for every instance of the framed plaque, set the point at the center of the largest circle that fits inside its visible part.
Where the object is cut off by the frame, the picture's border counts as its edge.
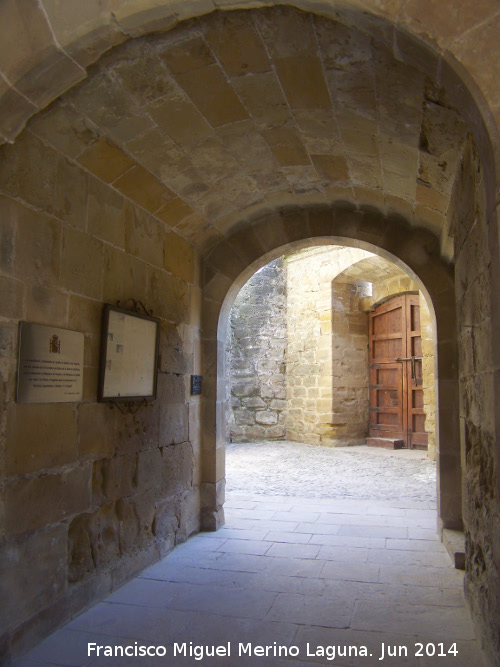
(50, 365)
(129, 355)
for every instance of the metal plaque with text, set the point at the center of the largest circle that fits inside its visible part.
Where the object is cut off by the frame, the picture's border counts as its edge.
(50, 364)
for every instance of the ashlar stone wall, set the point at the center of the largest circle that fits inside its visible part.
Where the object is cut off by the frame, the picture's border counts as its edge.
(88, 495)
(256, 348)
(326, 359)
(478, 412)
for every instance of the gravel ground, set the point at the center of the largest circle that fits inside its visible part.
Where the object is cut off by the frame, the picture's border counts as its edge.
(295, 469)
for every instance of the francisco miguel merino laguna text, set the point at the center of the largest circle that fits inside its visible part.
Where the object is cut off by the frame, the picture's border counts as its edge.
(330, 652)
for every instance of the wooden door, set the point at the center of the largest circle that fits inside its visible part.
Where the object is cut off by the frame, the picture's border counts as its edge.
(397, 417)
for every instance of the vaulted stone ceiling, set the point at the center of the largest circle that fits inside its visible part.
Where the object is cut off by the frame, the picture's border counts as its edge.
(241, 112)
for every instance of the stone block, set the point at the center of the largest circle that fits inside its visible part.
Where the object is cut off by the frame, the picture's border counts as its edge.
(15, 110)
(243, 417)
(108, 212)
(80, 560)
(96, 430)
(214, 97)
(174, 212)
(286, 33)
(168, 296)
(149, 470)
(40, 436)
(38, 246)
(177, 469)
(172, 361)
(166, 521)
(34, 502)
(7, 234)
(45, 305)
(179, 257)
(93, 542)
(143, 188)
(12, 292)
(105, 160)
(64, 128)
(180, 119)
(138, 432)
(84, 314)
(245, 388)
(107, 104)
(174, 421)
(266, 417)
(81, 265)
(286, 146)
(144, 237)
(29, 589)
(114, 478)
(28, 170)
(124, 277)
(253, 402)
(264, 99)
(135, 516)
(244, 53)
(70, 196)
(171, 388)
(189, 512)
(303, 82)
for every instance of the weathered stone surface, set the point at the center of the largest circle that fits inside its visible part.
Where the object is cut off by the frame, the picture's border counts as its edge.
(177, 469)
(96, 431)
(143, 188)
(70, 198)
(144, 237)
(46, 306)
(105, 160)
(180, 119)
(214, 97)
(124, 276)
(114, 478)
(179, 257)
(37, 247)
(107, 213)
(65, 129)
(189, 512)
(174, 423)
(149, 470)
(81, 264)
(135, 516)
(138, 432)
(40, 437)
(167, 296)
(40, 585)
(12, 291)
(28, 170)
(33, 502)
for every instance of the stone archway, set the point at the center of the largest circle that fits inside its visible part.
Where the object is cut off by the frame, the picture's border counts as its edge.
(257, 243)
(452, 49)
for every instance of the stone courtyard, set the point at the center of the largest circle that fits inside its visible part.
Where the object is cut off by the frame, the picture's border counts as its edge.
(358, 473)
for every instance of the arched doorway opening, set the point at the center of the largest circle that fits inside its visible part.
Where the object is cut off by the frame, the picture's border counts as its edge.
(417, 251)
(298, 384)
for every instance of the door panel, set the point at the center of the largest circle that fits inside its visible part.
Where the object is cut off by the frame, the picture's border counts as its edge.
(396, 394)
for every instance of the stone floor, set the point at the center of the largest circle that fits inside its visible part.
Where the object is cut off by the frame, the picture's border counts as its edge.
(313, 575)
